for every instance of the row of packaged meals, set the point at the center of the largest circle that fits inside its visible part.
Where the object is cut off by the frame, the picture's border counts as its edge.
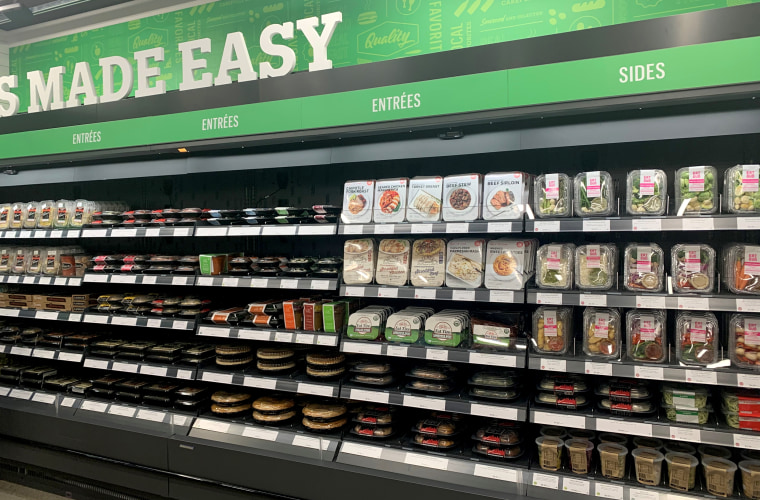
(500, 264)
(51, 214)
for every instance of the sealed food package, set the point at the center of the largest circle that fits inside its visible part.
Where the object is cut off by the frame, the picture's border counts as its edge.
(697, 338)
(550, 452)
(719, 476)
(647, 192)
(6, 214)
(648, 465)
(47, 214)
(646, 336)
(684, 396)
(359, 261)
(553, 195)
(696, 190)
(509, 263)
(32, 215)
(554, 266)
(580, 454)
(425, 194)
(744, 337)
(18, 215)
(393, 261)
(36, 260)
(740, 189)
(594, 194)
(595, 266)
(750, 470)
(742, 269)
(368, 323)
(643, 267)
(405, 326)
(492, 335)
(505, 195)
(428, 262)
(602, 332)
(552, 329)
(448, 328)
(7, 255)
(390, 200)
(693, 268)
(64, 212)
(357, 202)
(682, 471)
(612, 458)
(461, 197)
(464, 263)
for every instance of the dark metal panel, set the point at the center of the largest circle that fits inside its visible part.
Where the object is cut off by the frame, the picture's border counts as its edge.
(188, 489)
(130, 171)
(33, 177)
(319, 156)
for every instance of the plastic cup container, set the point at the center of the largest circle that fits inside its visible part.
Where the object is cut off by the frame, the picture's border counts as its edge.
(750, 478)
(719, 476)
(580, 452)
(646, 442)
(648, 464)
(613, 438)
(709, 450)
(678, 447)
(682, 471)
(581, 434)
(612, 457)
(550, 452)
(551, 431)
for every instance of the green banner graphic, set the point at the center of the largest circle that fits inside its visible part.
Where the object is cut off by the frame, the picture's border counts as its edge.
(729, 62)
(372, 30)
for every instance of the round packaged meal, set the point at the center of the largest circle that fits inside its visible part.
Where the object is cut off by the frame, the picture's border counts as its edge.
(647, 192)
(644, 269)
(553, 195)
(697, 338)
(693, 268)
(595, 266)
(646, 336)
(554, 266)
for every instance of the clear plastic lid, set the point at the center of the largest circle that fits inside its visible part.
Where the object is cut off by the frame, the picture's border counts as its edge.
(552, 330)
(554, 266)
(32, 215)
(744, 341)
(19, 260)
(83, 210)
(742, 269)
(553, 195)
(47, 214)
(594, 194)
(646, 336)
(648, 442)
(602, 335)
(693, 268)
(6, 215)
(697, 190)
(595, 266)
(740, 189)
(35, 260)
(18, 215)
(64, 211)
(647, 192)
(7, 254)
(697, 338)
(644, 267)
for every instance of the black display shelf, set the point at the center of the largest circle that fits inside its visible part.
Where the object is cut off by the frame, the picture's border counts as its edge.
(138, 321)
(457, 294)
(295, 383)
(267, 230)
(10, 312)
(41, 280)
(642, 224)
(42, 353)
(140, 279)
(423, 228)
(26, 234)
(143, 368)
(138, 232)
(282, 283)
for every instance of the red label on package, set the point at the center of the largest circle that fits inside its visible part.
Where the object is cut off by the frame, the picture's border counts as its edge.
(751, 331)
(496, 452)
(752, 260)
(593, 184)
(593, 257)
(552, 186)
(568, 402)
(696, 179)
(601, 325)
(369, 420)
(554, 257)
(692, 261)
(647, 328)
(550, 323)
(698, 330)
(750, 178)
(621, 406)
(643, 259)
(646, 183)
(753, 424)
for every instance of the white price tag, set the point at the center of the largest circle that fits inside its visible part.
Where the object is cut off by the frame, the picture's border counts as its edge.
(231, 282)
(307, 442)
(694, 303)
(221, 378)
(498, 473)
(748, 305)
(553, 365)
(10, 313)
(213, 331)
(43, 353)
(425, 403)
(624, 427)
(328, 340)
(259, 433)
(637, 494)
(647, 224)
(504, 296)
(702, 377)
(546, 481)
(124, 321)
(361, 450)
(580, 486)
(94, 233)
(748, 381)
(70, 356)
(596, 226)
(96, 318)
(149, 280)
(549, 298)
(181, 325)
(422, 228)
(253, 334)
(206, 281)
(24, 234)
(153, 416)
(13, 279)
(182, 231)
(212, 425)
(427, 461)
(371, 396)
(598, 368)
(318, 229)
(463, 295)
(499, 227)
(286, 337)
(61, 282)
(124, 367)
(320, 284)
(650, 302)
(158, 371)
(28, 280)
(154, 323)
(98, 364)
(385, 228)
(388, 293)
(260, 383)
(122, 411)
(211, 231)
(96, 278)
(316, 390)
(493, 411)
(560, 419)
(748, 222)
(253, 231)
(437, 354)
(685, 435)
(45, 280)
(698, 224)
(425, 293)
(612, 491)
(68, 402)
(124, 233)
(354, 291)
(94, 406)
(47, 399)
(550, 226)
(590, 299)
(259, 283)
(21, 351)
(185, 374)
(352, 229)
(746, 441)
(182, 281)
(397, 351)
(123, 278)
(459, 227)
(648, 372)
(479, 358)
(304, 338)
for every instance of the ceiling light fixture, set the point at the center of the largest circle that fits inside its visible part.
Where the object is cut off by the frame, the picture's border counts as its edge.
(53, 5)
(182, 150)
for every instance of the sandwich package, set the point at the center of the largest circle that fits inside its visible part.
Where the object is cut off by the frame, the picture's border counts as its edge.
(461, 197)
(553, 196)
(425, 194)
(506, 195)
(357, 202)
(509, 263)
(390, 200)
(464, 263)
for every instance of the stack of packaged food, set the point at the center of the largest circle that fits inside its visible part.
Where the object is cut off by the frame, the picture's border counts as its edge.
(499, 440)
(374, 421)
(568, 391)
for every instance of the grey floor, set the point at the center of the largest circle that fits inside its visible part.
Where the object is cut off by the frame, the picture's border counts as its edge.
(11, 491)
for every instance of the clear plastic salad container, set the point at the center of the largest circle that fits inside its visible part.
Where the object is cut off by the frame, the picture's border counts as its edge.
(643, 267)
(742, 269)
(687, 415)
(697, 338)
(553, 195)
(647, 192)
(744, 340)
(594, 194)
(740, 189)
(554, 266)
(646, 335)
(697, 187)
(744, 402)
(602, 335)
(552, 329)
(693, 268)
(595, 266)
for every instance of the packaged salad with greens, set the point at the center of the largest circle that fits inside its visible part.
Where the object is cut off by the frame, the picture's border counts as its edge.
(553, 195)
(741, 271)
(647, 192)
(594, 194)
(697, 187)
(696, 338)
(693, 268)
(643, 267)
(554, 266)
(646, 335)
(740, 189)
(595, 266)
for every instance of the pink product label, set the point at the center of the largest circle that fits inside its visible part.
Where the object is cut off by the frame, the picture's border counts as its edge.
(550, 324)
(593, 185)
(692, 262)
(601, 325)
(554, 258)
(698, 331)
(647, 328)
(643, 260)
(752, 260)
(646, 183)
(696, 179)
(751, 331)
(593, 257)
(750, 178)
(552, 186)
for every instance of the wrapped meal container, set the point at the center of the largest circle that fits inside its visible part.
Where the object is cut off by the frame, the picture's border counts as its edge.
(393, 261)
(697, 338)
(644, 267)
(358, 197)
(646, 336)
(505, 195)
(740, 189)
(594, 194)
(553, 195)
(425, 194)
(647, 192)
(461, 197)
(390, 200)
(696, 190)
(428, 262)
(554, 266)
(359, 261)
(744, 338)
(742, 269)
(602, 335)
(509, 263)
(595, 266)
(552, 330)
(464, 263)
(693, 268)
